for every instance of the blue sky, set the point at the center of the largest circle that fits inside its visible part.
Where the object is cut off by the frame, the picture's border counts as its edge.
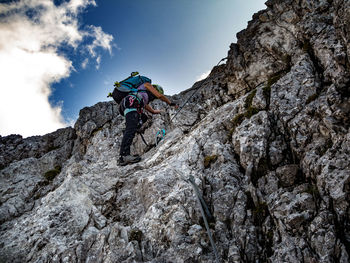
(98, 42)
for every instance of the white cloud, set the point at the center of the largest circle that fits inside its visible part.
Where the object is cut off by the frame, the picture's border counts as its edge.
(101, 39)
(31, 32)
(85, 62)
(98, 60)
(203, 76)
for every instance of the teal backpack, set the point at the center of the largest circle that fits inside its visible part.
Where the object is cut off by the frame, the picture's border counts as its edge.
(128, 86)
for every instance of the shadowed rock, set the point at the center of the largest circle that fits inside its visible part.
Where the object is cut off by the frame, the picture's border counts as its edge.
(266, 137)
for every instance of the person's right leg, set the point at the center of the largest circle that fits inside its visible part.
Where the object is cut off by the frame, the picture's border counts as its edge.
(132, 120)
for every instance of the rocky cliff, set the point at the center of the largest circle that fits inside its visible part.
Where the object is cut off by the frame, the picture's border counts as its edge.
(266, 137)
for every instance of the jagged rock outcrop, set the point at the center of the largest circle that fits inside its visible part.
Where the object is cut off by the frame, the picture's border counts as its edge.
(30, 163)
(266, 137)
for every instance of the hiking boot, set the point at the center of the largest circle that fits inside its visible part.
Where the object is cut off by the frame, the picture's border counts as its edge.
(124, 160)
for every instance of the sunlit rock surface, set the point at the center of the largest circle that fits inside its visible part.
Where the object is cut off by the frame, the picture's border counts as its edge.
(266, 137)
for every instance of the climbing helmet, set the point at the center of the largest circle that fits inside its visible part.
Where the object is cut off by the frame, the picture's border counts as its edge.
(158, 88)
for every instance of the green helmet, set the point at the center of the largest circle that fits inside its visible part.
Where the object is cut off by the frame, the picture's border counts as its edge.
(158, 88)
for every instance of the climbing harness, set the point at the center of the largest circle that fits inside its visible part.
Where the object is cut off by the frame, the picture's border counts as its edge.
(204, 210)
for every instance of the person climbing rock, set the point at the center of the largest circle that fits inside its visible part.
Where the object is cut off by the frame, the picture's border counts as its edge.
(134, 95)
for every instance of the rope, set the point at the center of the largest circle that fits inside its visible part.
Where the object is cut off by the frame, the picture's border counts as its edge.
(204, 210)
(200, 88)
(200, 197)
(185, 103)
(209, 234)
(196, 91)
(221, 60)
(143, 139)
(158, 139)
(194, 94)
(163, 130)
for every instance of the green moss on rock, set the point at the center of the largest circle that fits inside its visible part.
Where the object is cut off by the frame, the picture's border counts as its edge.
(249, 99)
(273, 79)
(237, 120)
(96, 131)
(208, 160)
(51, 174)
(250, 112)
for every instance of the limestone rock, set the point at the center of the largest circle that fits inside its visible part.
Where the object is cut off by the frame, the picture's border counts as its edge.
(266, 138)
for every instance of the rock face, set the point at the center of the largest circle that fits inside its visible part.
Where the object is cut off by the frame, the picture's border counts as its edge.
(266, 137)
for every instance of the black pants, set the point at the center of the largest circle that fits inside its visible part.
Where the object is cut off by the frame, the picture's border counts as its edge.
(132, 125)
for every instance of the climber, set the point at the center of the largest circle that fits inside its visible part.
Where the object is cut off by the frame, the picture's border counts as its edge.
(131, 106)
